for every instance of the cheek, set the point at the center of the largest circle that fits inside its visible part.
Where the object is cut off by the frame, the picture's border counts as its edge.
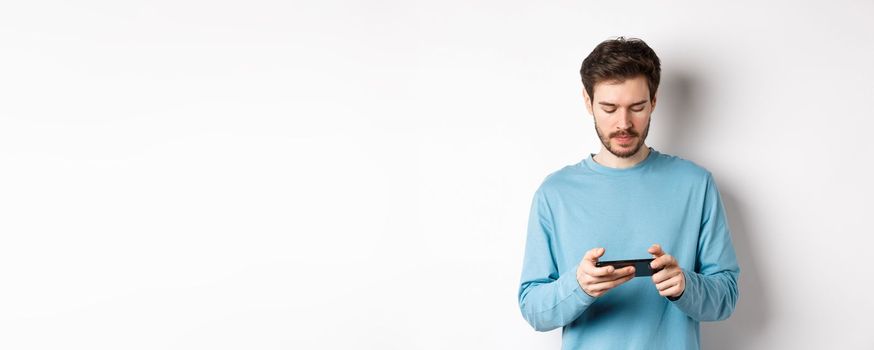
(643, 123)
(603, 121)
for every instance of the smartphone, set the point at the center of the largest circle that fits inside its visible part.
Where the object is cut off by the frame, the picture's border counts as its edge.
(641, 266)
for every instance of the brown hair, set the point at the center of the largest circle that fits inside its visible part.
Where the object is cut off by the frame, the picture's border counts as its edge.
(619, 59)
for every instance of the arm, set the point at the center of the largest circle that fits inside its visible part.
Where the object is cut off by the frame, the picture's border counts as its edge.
(548, 298)
(711, 290)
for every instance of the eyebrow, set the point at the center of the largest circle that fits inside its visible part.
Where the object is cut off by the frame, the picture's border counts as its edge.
(614, 105)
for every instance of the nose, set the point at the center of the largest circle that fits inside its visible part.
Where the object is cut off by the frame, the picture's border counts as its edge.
(624, 120)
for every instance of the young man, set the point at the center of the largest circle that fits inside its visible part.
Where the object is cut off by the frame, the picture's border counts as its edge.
(629, 201)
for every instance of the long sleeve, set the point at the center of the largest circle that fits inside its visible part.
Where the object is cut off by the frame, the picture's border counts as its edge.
(548, 298)
(711, 290)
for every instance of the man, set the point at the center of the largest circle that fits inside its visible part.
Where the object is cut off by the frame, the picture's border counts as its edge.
(629, 201)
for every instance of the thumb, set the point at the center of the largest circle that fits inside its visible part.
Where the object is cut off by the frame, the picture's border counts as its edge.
(593, 254)
(656, 250)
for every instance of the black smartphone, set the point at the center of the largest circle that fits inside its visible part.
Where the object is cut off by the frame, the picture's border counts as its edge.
(641, 266)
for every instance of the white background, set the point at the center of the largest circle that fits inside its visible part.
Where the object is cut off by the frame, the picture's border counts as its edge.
(341, 174)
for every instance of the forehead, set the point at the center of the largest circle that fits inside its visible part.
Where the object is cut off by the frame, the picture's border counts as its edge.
(625, 92)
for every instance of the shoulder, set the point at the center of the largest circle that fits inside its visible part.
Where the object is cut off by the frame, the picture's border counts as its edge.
(558, 181)
(682, 168)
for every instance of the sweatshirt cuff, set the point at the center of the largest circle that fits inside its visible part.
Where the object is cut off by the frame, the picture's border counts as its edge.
(570, 286)
(686, 299)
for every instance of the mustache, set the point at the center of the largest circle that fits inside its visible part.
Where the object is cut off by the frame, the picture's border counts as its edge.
(623, 133)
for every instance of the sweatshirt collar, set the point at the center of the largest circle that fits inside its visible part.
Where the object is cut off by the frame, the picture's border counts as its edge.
(591, 164)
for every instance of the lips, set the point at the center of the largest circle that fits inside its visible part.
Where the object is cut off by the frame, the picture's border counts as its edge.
(624, 138)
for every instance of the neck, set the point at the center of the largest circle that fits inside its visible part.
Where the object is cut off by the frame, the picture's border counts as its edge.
(605, 158)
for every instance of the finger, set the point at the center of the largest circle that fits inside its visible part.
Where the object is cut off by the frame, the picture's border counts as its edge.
(601, 271)
(662, 262)
(668, 283)
(665, 274)
(605, 286)
(618, 274)
(591, 259)
(656, 250)
(673, 290)
(660, 276)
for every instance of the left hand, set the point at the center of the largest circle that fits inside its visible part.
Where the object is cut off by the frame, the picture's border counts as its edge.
(670, 281)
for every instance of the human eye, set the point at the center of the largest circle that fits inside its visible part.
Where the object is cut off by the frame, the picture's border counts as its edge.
(611, 111)
(638, 110)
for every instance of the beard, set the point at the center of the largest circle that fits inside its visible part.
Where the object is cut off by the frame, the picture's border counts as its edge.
(607, 141)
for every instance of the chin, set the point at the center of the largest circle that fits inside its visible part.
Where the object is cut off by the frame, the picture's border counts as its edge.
(625, 152)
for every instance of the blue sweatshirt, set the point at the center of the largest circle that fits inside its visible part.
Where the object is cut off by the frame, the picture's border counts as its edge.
(663, 199)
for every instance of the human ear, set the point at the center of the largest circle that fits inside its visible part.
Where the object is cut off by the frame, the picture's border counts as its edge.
(588, 102)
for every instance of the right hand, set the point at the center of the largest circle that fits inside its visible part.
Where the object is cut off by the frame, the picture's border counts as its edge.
(596, 281)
